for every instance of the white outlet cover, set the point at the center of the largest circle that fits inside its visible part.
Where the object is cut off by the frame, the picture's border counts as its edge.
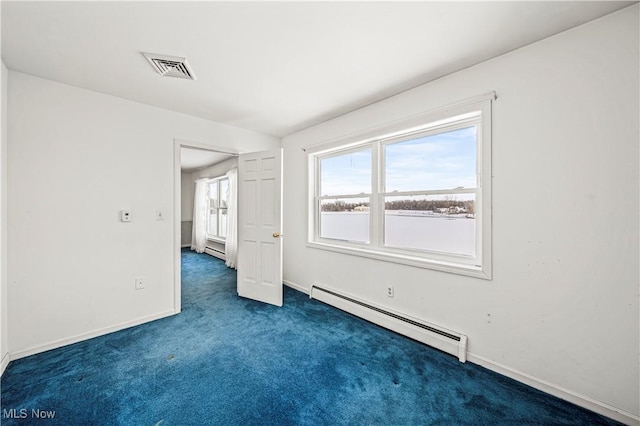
(140, 283)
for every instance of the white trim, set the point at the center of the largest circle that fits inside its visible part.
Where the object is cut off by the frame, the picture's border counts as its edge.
(206, 147)
(404, 259)
(4, 363)
(177, 228)
(295, 286)
(216, 240)
(403, 124)
(557, 391)
(90, 335)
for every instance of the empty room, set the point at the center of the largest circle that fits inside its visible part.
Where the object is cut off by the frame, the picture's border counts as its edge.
(320, 213)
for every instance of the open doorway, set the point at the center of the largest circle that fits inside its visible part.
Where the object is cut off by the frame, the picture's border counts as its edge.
(193, 161)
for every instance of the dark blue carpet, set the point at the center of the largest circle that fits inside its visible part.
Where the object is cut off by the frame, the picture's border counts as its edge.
(231, 361)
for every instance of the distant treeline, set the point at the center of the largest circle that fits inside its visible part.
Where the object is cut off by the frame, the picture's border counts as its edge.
(421, 205)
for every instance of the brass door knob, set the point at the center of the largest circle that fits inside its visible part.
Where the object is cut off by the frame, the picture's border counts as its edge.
(276, 234)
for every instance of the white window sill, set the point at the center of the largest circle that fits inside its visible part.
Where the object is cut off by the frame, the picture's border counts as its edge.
(216, 240)
(404, 259)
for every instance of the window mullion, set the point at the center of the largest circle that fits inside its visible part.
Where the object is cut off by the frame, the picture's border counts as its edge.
(217, 208)
(337, 197)
(376, 210)
(317, 164)
(432, 192)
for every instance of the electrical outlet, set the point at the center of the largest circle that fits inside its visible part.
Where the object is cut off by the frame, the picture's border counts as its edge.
(126, 216)
(390, 290)
(140, 282)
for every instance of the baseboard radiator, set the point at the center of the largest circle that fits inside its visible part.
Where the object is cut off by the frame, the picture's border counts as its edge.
(438, 337)
(215, 252)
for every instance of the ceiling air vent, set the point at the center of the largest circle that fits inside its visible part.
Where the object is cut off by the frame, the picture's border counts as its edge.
(170, 66)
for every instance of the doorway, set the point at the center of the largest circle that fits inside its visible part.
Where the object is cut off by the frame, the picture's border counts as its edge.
(194, 160)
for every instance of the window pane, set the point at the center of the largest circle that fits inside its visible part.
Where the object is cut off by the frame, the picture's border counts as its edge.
(442, 223)
(224, 192)
(346, 219)
(346, 174)
(213, 223)
(443, 161)
(223, 223)
(213, 195)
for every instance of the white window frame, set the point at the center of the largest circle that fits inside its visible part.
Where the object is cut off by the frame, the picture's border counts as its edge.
(476, 111)
(212, 237)
(320, 198)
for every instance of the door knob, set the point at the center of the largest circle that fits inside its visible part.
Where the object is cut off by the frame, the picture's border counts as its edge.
(276, 235)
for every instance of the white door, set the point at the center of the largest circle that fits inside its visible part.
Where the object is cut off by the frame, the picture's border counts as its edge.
(259, 226)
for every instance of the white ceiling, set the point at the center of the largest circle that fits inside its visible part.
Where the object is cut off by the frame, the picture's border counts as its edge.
(272, 67)
(192, 159)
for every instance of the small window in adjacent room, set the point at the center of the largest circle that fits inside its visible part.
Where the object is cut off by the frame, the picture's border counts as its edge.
(217, 217)
(413, 193)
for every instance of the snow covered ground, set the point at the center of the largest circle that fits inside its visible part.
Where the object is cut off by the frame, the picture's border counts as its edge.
(435, 232)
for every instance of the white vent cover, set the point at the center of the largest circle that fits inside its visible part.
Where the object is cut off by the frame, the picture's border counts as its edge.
(170, 66)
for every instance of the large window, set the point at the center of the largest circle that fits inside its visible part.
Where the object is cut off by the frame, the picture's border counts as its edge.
(412, 195)
(217, 217)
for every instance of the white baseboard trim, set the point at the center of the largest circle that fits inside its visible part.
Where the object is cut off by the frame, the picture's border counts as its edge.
(86, 336)
(4, 362)
(557, 391)
(296, 286)
(185, 246)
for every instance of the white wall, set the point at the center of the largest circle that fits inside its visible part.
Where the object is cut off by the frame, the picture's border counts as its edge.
(186, 207)
(186, 193)
(562, 309)
(75, 159)
(4, 311)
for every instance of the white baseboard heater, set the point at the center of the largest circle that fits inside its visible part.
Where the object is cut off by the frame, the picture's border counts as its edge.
(438, 337)
(215, 252)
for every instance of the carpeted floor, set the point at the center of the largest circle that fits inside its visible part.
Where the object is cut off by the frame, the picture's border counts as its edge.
(231, 361)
